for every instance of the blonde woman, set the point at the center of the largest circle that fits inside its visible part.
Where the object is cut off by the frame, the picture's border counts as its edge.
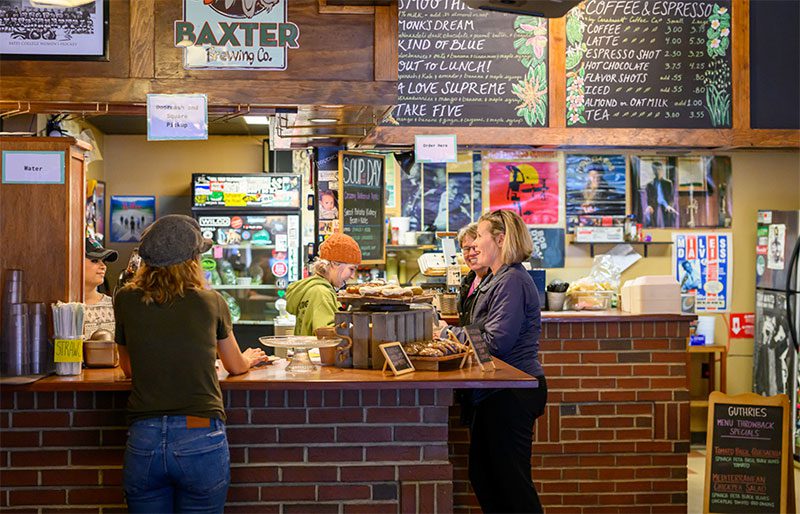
(313, 299)
(477, 273)
(169, 329)
(508, 314)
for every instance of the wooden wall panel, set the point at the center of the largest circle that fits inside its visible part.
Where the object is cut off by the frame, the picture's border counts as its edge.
(386, 43)
(142, 50)
(332, 47)
(118, 64)
(557, 80)
(740, 63)
(41, 226)
(723, 139)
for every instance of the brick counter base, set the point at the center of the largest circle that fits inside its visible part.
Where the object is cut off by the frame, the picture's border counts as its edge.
(615, 434)
(291, 451)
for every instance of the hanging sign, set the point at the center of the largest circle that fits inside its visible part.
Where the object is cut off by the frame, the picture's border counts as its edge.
(24, 167)
(236, 34)
(435, 148)
(181, 117)
(702, 263)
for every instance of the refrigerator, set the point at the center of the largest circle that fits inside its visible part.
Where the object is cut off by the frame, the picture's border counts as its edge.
(254, 221)
(775, 366)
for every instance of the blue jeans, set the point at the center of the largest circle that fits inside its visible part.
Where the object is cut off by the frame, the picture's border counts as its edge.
(171, 468)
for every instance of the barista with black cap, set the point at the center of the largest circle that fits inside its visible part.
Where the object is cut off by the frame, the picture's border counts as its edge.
(98, 311)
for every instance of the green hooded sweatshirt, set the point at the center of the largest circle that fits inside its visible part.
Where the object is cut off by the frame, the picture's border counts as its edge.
(313, 301)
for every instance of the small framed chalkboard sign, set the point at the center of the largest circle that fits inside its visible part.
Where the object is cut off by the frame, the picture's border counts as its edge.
(482, 355)
(748, 455)
(396, 358)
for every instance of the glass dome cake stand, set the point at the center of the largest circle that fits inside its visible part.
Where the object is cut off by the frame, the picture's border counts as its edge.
(300, 362)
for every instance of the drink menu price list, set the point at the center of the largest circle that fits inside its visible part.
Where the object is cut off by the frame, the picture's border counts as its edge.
(649, 63)
(466, 67)
(746, 458)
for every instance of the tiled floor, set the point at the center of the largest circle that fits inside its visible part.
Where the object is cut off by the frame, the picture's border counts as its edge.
(697, 467)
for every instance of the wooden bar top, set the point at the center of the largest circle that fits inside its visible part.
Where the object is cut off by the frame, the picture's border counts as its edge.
(608, 316)
(274, 377)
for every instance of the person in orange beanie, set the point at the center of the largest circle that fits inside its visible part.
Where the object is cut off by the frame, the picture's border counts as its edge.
(313, 299)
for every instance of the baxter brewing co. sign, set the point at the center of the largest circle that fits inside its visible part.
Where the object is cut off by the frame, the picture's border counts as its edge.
(235, 34)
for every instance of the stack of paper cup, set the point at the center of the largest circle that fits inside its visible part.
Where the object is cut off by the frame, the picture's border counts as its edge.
(705, 327)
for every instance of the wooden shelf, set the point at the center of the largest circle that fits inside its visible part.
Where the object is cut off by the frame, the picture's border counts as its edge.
(708, 348)
(646, 244)
(698, 404)
(412, 248)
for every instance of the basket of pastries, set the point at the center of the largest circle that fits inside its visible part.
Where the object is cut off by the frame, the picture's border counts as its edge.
(379, 292)
(438, 354)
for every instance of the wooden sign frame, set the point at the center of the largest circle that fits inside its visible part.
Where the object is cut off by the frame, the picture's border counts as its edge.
(484, 365)
(342, 201)
(389, 362)
(787, 502)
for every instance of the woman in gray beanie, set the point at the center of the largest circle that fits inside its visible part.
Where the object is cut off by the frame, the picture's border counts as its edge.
(169, 329)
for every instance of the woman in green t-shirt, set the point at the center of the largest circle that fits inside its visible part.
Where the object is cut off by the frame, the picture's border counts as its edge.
(169, 329)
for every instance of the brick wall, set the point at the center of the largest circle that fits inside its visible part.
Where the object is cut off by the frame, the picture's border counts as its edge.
(615, 434)
(295, 451)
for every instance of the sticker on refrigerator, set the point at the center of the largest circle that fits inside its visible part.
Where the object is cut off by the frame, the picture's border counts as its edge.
(776, 246)
(281, 242)
(765, 217)
(702, 263)
(279, 269)
(761, 265)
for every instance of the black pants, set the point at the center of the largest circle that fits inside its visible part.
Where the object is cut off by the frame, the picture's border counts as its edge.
(500, 450)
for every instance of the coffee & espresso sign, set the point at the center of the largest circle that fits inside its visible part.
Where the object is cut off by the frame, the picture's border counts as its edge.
(235, 34)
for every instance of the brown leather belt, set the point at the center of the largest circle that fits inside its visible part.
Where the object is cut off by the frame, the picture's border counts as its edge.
(197, 422)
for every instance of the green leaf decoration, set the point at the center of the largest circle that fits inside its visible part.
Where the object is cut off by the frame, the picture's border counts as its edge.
(574, 29)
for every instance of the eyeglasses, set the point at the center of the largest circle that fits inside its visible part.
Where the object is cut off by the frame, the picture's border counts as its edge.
(468, 249)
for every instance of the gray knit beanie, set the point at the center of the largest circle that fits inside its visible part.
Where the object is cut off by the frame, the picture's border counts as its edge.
(171, 240)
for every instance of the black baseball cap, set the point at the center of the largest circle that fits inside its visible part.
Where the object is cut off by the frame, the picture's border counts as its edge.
(95, 250)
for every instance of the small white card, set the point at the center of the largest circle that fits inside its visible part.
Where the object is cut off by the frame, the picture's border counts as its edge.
(32, 167)
(435, 148)
(177, 117)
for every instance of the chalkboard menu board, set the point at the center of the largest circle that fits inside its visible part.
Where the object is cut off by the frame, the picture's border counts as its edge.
(649, 63)
(479, 345)
(747, 459)
(465, 67)
(361, 187)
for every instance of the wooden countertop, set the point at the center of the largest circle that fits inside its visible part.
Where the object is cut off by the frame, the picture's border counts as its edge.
(612, 315)
(275, 377)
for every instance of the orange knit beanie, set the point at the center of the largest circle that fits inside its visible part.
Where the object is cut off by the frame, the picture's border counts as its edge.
(340, 248)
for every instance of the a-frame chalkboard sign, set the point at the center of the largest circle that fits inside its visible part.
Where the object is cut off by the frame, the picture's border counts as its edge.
(748, 455)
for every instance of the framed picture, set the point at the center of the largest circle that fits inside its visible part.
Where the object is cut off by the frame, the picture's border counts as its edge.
(41, 30)
(129, 216)
(692, 174)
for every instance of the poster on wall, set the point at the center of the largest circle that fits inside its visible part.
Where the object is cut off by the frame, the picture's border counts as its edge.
(688, 192)
(702, 263)
(236, 34)
(548, 247)
(40, 30)
(595, 186)
(326, 160)
(528, 185)
(442, 196)
(129, 216)
(95, 209)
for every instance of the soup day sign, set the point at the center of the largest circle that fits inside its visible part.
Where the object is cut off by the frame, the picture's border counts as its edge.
(236, 34)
